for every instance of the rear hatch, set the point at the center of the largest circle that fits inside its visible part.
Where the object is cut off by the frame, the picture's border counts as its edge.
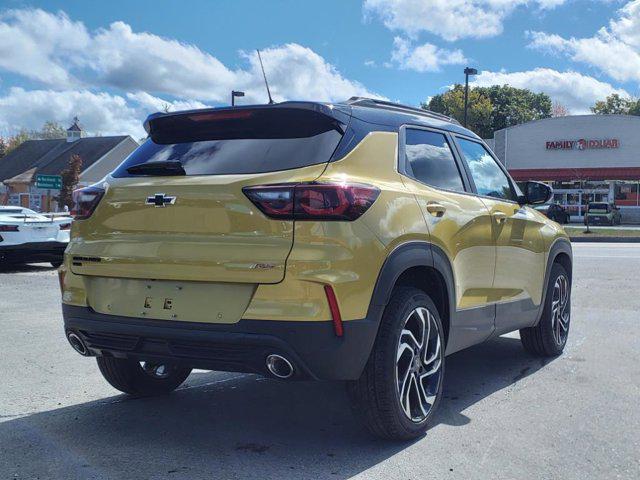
(32, 228)
(175, 209)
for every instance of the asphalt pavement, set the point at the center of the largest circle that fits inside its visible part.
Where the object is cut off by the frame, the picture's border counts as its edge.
(505, 415)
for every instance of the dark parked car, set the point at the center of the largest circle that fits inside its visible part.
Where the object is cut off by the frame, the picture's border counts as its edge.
(555, 212)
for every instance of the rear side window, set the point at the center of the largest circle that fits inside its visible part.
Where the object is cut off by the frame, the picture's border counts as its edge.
(489, 178)
(429, 160)
(239, 142)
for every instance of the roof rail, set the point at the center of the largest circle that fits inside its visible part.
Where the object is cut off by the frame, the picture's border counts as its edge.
(374, 103)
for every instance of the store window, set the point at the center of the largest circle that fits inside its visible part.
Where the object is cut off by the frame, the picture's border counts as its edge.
(626, 194)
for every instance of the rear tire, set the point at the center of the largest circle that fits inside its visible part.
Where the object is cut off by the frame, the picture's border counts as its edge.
(549, 336)
(401, 386)
(148, 379)
(56, 264)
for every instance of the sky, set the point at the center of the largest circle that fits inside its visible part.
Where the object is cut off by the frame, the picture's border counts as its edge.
(112, 63)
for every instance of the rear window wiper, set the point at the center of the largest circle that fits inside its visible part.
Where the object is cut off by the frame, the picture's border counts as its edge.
(169, 168)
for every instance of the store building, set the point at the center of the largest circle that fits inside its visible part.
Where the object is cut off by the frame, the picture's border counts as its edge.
(586, 158)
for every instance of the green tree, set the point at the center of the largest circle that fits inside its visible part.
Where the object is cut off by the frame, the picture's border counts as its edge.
(70, 178)
(614, 104)
(451, 103)
(50, 130)
(16, 140)
(3, 147)
(497, 107)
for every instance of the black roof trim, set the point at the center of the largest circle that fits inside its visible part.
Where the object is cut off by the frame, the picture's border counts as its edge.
(374, 103)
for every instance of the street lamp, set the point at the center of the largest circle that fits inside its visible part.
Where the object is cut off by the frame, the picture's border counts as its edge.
(467, 71)
(234, 94)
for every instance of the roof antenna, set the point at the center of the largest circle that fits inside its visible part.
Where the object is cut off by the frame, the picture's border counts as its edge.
(265, 78)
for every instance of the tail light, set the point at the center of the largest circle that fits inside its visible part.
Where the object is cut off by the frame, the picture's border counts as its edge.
(313, 201)
(85, 201)
(65, 226)
(8, 228)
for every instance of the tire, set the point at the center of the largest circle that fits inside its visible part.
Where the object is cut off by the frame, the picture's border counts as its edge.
(549, 337)
(130, 377)
(56, 264)
(375, 396)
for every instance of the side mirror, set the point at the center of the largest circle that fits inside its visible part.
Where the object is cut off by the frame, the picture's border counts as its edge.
(535, 193)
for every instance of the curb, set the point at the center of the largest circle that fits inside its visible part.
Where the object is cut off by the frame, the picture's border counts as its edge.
(596, 239)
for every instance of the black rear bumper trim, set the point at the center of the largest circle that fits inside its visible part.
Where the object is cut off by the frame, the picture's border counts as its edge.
(312, 347)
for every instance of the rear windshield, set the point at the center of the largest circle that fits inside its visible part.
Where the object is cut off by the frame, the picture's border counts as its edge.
(599, 206)
(265, 142)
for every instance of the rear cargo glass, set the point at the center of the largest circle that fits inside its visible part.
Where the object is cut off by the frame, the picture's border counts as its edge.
(254, 141)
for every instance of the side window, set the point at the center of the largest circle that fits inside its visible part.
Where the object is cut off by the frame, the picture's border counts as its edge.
(489, 178)
(430, 160)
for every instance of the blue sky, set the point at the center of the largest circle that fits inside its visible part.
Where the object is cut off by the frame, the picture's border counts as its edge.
(113, 62)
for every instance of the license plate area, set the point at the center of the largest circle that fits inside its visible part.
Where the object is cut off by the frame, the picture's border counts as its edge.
(169, 300)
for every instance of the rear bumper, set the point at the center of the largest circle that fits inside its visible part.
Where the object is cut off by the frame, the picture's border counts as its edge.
(312, 347)
(33, 252)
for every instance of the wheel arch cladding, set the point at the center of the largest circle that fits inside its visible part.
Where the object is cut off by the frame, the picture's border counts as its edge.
(421, 265)
(559, 252)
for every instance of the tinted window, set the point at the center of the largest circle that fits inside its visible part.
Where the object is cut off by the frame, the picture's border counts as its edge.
(429, 160)
(489, 178)
(218, 157)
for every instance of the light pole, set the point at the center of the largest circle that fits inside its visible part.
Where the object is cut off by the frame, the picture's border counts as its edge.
(467, 71)
(234, 94)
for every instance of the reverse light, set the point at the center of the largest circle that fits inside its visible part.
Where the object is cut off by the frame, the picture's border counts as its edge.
(313, 201)
(85, 201)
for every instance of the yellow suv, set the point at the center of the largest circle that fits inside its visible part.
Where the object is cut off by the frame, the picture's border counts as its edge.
(360, 241)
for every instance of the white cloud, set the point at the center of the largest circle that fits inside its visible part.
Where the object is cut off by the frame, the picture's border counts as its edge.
(449, 19)
(614, 50)
(424, 58)
(69, 60)
(575, 91)
(102, 112)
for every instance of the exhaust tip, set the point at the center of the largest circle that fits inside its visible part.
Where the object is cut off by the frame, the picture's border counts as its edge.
(279, 366)
(77, 344)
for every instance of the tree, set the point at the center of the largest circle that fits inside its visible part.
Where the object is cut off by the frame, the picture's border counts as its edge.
(16, 140)
(3, 147)
(451, 103)
(70, 178)
(50, 130)
(498, 107)
(614, 104)
(559, 110)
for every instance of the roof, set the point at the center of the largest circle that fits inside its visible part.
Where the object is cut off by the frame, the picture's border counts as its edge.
(52, 156)
(591, 116)
(379, 112)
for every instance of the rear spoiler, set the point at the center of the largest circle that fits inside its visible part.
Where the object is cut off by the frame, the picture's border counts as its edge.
(282, 120)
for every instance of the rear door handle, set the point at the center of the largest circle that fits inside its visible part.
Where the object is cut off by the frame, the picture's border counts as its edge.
(436, 209)
(500, 217)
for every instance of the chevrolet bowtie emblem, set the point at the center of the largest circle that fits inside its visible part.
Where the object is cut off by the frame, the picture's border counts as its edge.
(160, 200)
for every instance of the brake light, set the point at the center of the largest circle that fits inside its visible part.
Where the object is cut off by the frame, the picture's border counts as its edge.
(65, 226)
(8, 228)
(85, 201)
(313, 201)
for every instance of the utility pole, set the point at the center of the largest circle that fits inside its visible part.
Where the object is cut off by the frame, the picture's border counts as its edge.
(467, 71)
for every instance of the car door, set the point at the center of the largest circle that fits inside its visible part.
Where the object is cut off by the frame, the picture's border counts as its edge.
(459, 225)
(520, 251)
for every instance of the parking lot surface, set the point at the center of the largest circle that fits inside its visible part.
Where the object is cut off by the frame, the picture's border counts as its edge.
(505, 415)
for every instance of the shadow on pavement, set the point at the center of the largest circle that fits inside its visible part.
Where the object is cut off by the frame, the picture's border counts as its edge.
(25, 267)
(236, 426)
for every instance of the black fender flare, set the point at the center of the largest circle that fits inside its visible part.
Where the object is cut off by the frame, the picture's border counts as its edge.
(559, 246)
(403, 257)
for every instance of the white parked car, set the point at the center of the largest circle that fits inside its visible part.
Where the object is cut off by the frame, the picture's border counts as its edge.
(27, 236)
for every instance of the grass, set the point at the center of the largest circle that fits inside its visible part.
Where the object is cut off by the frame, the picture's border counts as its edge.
(601, 232)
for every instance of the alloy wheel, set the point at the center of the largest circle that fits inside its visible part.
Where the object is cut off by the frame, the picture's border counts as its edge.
(560, 312)
(156, 370)
(419, 361)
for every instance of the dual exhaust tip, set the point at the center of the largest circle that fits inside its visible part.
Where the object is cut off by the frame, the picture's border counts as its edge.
(276, 364)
